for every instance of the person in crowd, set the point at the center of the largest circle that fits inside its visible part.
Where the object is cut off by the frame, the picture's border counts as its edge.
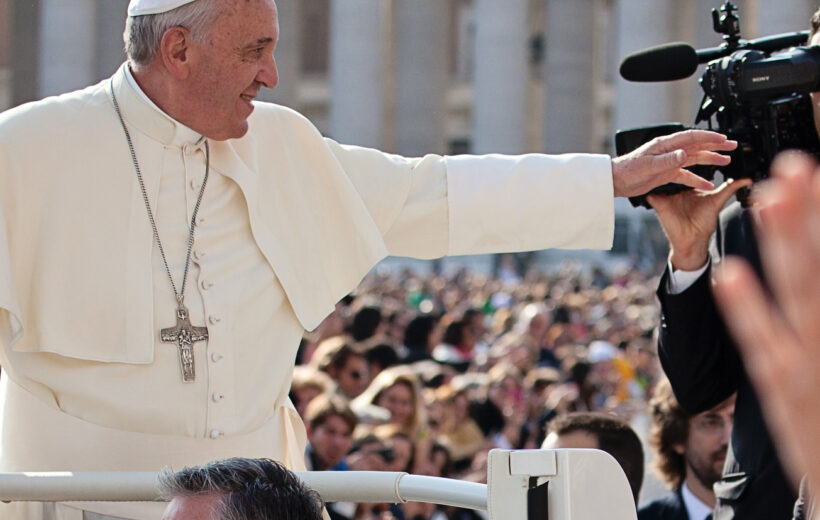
(776, 328)
(379, 357)
(330, 423)
(396, 390)
(454, 428)
(533, 324)
(604, 432)
(420, 338)
(368, 324)
(308, 383)
(204, 184)
(238, 489)
(690, 451)
(457, 347)
(696, 351)
(346, 365)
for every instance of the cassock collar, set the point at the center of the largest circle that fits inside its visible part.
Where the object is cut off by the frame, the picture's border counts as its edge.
(141, 112)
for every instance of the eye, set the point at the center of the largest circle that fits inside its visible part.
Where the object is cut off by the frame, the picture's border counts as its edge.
(254, 54)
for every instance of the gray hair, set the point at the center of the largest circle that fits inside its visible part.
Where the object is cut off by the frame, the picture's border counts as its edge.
(249, 489)
(143, 33)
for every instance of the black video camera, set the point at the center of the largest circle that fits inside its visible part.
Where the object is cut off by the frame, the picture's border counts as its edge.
(754, 92)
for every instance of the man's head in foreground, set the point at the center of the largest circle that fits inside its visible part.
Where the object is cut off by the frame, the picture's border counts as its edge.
(238, 489)
(599, 431)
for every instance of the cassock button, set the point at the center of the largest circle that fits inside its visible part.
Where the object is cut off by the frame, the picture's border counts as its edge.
(215, 357)
(217, 397)
(214, 319)
(205, 284)
(199, 220)
(215, 434)
(195, 184)
(187, 149)
(199, 254)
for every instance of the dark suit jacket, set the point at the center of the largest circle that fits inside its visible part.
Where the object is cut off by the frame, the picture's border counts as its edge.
(667, 507)
(704, 367)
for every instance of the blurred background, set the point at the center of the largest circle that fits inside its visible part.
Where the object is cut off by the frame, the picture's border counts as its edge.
(434, 76)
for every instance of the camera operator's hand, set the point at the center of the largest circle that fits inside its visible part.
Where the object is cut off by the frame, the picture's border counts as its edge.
(778, 332)
(663, 159)
(689, 219)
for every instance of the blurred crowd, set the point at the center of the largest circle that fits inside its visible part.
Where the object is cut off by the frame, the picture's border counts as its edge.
(425, 373)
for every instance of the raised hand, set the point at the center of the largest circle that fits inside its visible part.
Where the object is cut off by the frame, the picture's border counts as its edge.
(778, 332)
(689, 219)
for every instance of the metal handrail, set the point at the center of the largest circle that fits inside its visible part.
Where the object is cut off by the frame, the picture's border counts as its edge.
(333, 486)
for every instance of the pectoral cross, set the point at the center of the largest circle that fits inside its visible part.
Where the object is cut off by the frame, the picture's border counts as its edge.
(185, 335)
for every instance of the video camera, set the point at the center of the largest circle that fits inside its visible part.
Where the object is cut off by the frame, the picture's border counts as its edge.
(754, 92)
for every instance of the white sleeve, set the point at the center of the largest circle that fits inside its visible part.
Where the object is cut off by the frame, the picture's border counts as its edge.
(680, 280)
(435, 206)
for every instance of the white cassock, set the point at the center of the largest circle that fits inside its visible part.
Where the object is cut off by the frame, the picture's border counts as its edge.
(290, 222)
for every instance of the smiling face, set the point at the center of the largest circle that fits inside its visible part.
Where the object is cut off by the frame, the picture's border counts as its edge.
(229, 68)
(398, 399)
(331, 441)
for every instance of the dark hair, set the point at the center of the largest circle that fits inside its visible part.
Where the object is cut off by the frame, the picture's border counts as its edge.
(365, 323)
(383, 355)
(670, 426)
(339, 358)
(325, 406)
(418, 331)
(249, 489)
(614, 436)
(454, 333)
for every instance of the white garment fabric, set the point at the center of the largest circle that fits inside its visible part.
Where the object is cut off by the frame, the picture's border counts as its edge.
(289, 223)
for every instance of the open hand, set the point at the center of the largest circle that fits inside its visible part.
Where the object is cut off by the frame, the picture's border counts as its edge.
(663, 159)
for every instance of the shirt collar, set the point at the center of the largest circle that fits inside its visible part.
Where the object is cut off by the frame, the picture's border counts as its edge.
(696, 509)
(140, 111)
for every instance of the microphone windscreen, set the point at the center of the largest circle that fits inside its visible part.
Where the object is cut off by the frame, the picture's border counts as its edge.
(666, 62)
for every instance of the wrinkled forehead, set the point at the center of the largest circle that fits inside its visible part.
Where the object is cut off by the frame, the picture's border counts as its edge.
(246, 21)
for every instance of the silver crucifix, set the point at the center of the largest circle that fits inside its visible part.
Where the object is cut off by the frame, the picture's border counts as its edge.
(185, 335)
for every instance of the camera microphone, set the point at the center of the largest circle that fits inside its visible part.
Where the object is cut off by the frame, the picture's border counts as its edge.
(667, 62)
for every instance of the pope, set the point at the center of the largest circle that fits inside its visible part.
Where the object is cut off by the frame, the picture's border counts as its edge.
(165, 240)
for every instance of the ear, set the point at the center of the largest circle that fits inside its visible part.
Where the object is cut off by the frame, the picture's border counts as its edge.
(679, 448)
(175, 50)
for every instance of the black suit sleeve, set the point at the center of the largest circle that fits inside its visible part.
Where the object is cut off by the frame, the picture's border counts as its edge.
(694, 347)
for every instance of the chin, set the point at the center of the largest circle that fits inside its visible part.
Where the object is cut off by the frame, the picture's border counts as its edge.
(237, 132)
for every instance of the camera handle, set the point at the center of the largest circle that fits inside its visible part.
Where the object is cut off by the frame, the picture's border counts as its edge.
(727, 23)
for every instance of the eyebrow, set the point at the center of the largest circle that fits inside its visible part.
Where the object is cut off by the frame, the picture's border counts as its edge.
(260, 41)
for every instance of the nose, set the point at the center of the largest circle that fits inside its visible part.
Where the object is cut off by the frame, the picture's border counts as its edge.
(268, 74)
(726, 434)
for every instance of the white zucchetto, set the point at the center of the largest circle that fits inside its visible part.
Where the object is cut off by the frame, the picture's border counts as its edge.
(143, 7)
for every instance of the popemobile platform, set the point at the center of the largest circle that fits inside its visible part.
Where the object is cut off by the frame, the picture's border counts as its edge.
(521, 485)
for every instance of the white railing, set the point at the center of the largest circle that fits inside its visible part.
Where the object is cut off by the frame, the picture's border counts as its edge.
(350, 486)
(525, 484)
